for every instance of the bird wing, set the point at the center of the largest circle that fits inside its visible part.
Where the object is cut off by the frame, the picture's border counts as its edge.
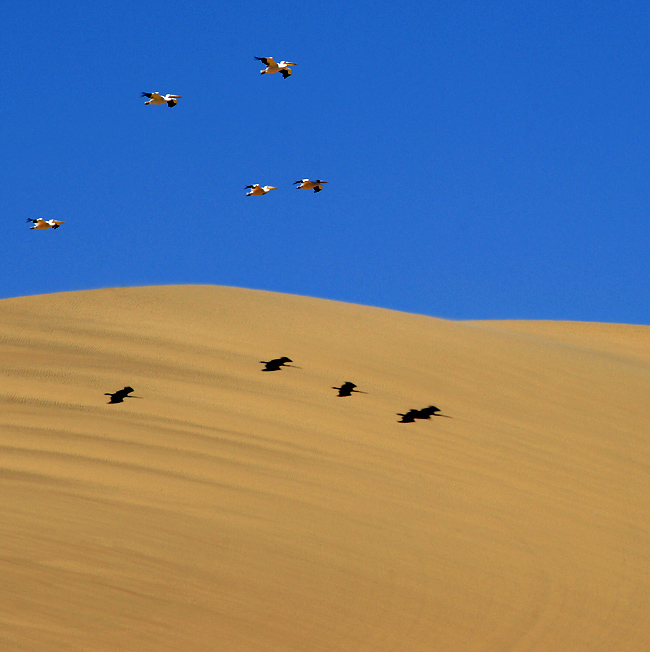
(318, 188)
(155, 96)
(146, 95)
(286, 72)
(267, 61)
(172, 103)
(257, 185)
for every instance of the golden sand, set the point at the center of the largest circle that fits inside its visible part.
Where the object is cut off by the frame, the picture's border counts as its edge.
(234, 510)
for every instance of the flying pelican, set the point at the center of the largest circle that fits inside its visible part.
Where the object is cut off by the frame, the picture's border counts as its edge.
(121, 394)
(157, 98)
(274, 365)
(308, 185)
(272, 67)
(258, 190)
(40, 223)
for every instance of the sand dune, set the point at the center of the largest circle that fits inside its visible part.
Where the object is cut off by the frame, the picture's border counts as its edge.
(230, 509)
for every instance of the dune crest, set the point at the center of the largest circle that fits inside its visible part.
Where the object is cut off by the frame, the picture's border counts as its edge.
(230, 509)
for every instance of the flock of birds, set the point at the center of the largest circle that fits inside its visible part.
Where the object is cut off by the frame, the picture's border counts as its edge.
(346, 389)
(303, 184)
(255, 190)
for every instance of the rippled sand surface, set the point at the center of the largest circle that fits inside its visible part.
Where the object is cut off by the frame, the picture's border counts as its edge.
(230, 509)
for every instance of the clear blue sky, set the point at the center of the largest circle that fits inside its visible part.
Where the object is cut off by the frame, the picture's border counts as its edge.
(485, 159)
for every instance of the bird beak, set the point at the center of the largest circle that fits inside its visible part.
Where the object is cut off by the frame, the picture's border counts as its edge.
(273, 188)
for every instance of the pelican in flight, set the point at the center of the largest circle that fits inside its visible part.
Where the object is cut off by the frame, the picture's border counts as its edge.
(317, 185)
(272, 67)
(258, 190)
(157, 98)
(41, 224)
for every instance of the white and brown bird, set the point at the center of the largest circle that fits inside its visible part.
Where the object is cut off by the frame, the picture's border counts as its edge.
(157, 98)
(306, 184)
(257, 190)
(272, 66)
(41, 224)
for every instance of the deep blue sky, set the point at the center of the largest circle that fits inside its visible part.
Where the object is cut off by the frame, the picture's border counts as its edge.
(485, 159)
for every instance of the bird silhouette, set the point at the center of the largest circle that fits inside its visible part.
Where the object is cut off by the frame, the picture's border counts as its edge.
(424, 413)
(277, 363)
(408, 417)
(120, 395)
(428, 412)
(347, 388)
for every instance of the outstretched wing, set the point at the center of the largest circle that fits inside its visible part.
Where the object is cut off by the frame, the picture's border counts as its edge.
(318, 188)
(286, 72)
(267, 61)
(172, 103)
(146, 95)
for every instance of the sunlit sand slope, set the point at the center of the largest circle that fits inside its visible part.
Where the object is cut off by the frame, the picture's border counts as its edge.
(233, 510)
